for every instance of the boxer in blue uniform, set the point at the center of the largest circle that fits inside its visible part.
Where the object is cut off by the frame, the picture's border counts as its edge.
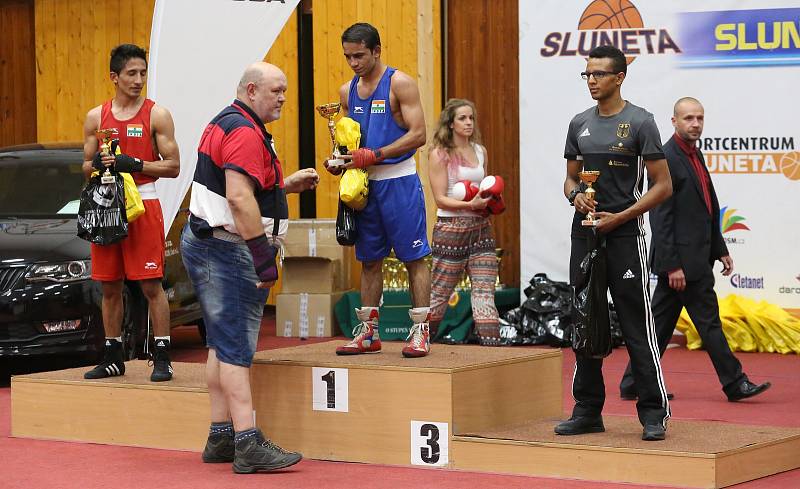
(386, 103)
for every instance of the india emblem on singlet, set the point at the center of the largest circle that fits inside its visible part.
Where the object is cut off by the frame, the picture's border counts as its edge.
(378, 107)
(135, 130)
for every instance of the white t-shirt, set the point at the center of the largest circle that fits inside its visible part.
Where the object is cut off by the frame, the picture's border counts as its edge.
(473, 174)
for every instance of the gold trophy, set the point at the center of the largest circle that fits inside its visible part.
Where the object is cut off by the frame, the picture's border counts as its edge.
(589, 177)
(106, 136)
(329, 111)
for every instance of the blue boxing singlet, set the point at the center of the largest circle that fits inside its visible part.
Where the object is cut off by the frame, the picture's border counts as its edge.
(378, 127)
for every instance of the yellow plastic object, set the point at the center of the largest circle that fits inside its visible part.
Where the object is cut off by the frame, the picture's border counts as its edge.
(348, 133)
(354, 188)
(750, 326)
(134, 207)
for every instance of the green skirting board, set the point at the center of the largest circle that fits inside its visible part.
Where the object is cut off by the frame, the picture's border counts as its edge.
(395, 323)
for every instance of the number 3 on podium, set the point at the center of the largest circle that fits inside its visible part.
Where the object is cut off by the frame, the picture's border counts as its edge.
(429, 443)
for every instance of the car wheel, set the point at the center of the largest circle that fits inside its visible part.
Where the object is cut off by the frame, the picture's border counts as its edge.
(134, 324)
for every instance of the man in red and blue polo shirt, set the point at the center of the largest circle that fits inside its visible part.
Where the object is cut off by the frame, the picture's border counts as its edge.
(238, 217)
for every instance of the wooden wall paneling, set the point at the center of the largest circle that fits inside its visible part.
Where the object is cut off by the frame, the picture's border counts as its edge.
(482, 65)
(17, 73)
(74, 39)
(44, 40)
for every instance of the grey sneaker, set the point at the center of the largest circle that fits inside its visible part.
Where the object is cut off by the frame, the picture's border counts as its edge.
(219, 449)
(256, 453)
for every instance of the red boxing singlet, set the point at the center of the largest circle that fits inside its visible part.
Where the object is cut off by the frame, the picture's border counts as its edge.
(134, 136)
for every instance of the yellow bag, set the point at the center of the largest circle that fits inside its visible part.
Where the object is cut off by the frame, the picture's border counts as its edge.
(134, 207)
(347, 133)
(354, 188)
(354, 185)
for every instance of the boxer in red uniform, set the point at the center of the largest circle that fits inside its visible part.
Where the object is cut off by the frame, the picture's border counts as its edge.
(148, 151)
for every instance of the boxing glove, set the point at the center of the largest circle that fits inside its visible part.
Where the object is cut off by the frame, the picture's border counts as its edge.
(464, 190)
(492, 186)
(496, 205)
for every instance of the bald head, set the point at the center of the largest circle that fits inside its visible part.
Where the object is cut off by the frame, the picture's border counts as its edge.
(686, 103)
(258, 73)
(262, 88)
(688, 119)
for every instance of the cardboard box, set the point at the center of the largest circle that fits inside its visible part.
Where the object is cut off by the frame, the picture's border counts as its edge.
(306, 315)
(313, 237)
(317, 238)
(311, 275)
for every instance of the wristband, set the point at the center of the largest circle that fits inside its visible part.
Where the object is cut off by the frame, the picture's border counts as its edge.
(127, 164)
(574, 193)
(97, 162)
(264, 255)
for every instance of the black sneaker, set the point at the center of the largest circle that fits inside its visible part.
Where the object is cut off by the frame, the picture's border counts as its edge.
(162, 368)
(256, 453)
(579, 425)
(112, 365)
(219, 449)
(654, 432)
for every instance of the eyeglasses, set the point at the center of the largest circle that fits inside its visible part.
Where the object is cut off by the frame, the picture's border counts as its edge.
(598, 75)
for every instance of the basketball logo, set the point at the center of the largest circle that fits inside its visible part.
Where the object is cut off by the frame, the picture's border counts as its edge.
(790, 165)
(611, 14)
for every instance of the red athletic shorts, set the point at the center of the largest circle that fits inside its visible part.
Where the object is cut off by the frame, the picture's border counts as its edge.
(139, 256)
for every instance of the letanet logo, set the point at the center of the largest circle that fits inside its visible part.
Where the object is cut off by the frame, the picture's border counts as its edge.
(752, 155)
(610, 22)
(730, 221)
(744, 282)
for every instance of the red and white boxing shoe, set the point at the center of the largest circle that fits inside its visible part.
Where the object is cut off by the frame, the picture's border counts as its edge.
(366, 338)
(419, 344)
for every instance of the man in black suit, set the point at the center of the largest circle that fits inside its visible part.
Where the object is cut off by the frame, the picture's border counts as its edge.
(686, 242)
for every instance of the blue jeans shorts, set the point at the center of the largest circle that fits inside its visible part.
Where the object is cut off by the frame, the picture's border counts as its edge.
(224, 280)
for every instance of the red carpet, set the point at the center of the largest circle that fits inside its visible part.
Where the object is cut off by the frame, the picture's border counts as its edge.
(41, 464)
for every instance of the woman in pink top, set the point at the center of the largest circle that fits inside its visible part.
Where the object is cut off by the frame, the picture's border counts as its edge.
(462, 236)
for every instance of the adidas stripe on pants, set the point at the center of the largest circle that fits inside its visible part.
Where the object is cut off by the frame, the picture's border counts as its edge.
(628, 281)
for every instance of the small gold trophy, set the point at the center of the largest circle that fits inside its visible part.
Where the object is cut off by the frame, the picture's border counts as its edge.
(106, 136)
(329, 111)
(589, 177)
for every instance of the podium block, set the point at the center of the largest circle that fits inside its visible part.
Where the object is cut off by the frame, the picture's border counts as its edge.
(128, 410)
(698, 454)
(383, 408)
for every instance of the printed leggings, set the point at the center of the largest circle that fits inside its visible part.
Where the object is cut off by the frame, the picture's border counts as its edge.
(461, 243)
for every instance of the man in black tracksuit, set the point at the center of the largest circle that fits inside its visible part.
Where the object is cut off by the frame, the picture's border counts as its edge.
(620, 140)
(686, 242)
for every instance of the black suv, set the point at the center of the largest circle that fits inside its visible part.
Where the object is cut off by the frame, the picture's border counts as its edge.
(48, 302)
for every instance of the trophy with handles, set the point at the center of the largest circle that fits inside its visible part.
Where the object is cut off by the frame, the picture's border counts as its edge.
(589, 177)
(329, 111)
(106, 136)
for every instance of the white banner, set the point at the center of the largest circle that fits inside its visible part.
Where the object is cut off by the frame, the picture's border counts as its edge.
(741, 59)
(198, 51)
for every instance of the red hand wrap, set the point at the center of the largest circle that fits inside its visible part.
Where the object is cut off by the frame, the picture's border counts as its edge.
(364, 157)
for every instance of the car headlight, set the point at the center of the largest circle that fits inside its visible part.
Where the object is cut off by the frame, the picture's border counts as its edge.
(60, 272)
